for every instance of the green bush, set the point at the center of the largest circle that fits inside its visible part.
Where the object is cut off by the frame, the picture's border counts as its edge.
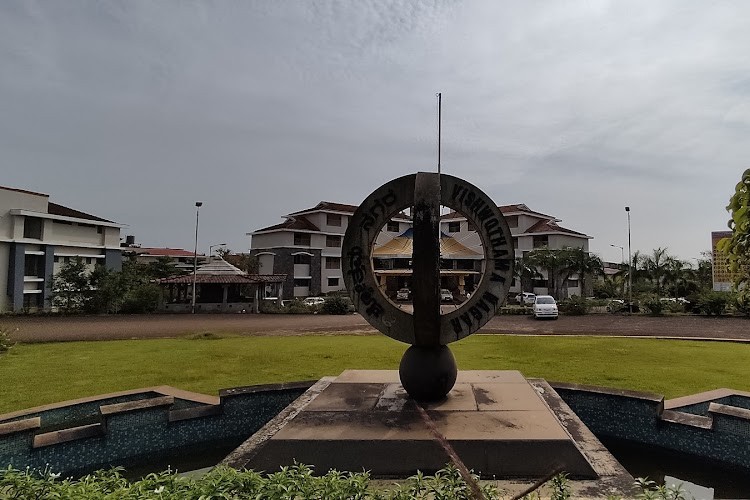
(574, 306)
(712, 302)
(5, 342)
(653, 305)
(336, 304)
(298, 307)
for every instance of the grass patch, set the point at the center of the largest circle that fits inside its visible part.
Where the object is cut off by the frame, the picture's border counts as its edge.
(36, 374)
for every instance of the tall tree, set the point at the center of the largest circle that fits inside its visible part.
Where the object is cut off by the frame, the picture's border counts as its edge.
(737, 247)
(582, 263)
(525, 272)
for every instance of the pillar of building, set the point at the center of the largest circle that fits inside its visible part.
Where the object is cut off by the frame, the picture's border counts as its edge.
(17, 259)
(49, 274)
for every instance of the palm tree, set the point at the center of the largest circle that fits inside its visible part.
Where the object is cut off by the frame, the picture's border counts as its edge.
(658, 267)
(582, 263)
(553, 262)
(525, 272)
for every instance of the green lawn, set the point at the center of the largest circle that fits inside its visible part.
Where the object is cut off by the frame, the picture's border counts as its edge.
(36, 374)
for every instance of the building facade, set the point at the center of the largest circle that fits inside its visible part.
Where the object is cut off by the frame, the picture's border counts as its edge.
(37, 237)
(307, 247)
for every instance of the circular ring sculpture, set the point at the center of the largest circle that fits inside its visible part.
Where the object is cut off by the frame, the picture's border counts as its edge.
(428, 366)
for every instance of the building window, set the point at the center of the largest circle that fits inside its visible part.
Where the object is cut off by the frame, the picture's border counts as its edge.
(302, 282)
(302, 239)
(392, 227)
(57, 259)
(541, 241)
(333, 282)
(32, 228)
(333, 241)
(32, 300)
(333, 263)
(34, 266)
(99, 229)
(454, 227)
(512, 220)
(333, 220)
(302, 258)
(572, 284)
(88, 260)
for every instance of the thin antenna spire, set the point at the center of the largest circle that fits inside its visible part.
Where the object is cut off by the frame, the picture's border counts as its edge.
(440, 109)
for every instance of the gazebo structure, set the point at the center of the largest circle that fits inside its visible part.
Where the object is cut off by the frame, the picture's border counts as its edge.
(220, 287)
(460, 266)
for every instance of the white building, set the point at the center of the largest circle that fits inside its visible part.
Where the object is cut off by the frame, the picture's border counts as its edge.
(530, 230)
(37, 237)
(307, 245)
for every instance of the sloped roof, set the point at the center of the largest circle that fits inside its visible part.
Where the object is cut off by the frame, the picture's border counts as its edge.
(160, 252)
(329, 205)
(55, 209)
(225, 279)
(299, 222)
(549, 226)
(403, 245)
(25, 191)
(505, 209)
(218, 266)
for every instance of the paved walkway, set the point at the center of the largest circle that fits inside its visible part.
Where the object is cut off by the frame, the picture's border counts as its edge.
(51, 329)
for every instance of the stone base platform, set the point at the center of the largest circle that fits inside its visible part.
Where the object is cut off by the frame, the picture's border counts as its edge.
(497, 422)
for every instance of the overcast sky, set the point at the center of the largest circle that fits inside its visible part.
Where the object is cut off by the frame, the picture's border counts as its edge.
(134, 110)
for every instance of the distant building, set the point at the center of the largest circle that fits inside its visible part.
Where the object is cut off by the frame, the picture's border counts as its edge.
(183, 260)
(307, 247)
(721, 275)
(37, 237)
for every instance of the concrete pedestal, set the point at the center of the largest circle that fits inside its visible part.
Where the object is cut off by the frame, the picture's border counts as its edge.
(497, 422)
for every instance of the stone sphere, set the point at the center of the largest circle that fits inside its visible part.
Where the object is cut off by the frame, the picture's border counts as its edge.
(428, 373)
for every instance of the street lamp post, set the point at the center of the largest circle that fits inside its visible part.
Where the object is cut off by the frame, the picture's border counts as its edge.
(210, 249)
(622, 252)
(630, 268)
(198, 205)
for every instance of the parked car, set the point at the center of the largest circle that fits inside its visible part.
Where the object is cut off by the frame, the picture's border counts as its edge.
(545, 307)
(525, 298)
(314, 301)
(446, 295)
(403, 294)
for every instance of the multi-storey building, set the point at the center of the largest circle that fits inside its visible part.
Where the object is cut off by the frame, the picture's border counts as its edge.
(37, 237)
(307, 247)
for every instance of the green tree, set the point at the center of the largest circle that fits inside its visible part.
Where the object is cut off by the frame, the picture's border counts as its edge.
(70, 288)
(525, 272)
(552, 262)
(243, 261)
(737, 247)
(163, 267)
(582, 263)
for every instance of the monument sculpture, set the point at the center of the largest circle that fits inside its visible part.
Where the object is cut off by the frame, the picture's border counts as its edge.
(428, 369)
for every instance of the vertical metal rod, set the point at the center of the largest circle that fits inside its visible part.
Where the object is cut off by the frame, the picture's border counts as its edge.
(195, 254)
(440, 112)
(630, 268)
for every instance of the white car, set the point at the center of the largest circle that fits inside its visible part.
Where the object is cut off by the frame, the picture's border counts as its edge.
(545, 307)
(525, 298)
(446, 295)
(313, 301)
(403, 294)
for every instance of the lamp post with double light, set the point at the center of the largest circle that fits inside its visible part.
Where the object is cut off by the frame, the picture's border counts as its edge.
(198, 205)
(210, 249)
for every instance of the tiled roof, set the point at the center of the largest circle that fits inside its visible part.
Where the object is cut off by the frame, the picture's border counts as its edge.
(223, 279)
(403, 245)
(160, 252)
(548, 226)
(55, 209)
(505, 209)
(329, 205)
(299, 222)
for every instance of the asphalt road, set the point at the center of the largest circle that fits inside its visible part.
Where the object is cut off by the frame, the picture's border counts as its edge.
(51, 328)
